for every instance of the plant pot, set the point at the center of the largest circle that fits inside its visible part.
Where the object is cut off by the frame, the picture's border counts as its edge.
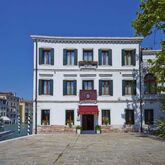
(78, 131)
(98, 131)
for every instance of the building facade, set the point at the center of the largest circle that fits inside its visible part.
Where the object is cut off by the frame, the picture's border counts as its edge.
(25, 110)
(10, 105)
(86, 81)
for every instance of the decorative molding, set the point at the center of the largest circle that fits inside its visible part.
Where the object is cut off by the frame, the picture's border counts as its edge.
(46, 75)
(87, 40)
(70, 75)
(105, 75)
(87, 75)
(127, 75)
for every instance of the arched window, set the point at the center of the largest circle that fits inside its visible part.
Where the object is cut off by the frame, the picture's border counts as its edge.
(149, 84)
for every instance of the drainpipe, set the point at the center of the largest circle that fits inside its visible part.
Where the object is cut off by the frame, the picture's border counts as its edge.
(140, 77)
(36, 69)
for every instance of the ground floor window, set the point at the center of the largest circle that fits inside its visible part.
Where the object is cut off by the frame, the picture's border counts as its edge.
(129, 116)
(69, 117)
(106, 117)
(148, 116)
(45, 117)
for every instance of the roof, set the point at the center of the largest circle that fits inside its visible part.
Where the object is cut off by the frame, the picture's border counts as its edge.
(5, 118)
(149, 51)
(43, 38)
(6, 94)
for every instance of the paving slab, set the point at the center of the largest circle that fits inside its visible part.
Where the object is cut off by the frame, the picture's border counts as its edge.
(72, 149)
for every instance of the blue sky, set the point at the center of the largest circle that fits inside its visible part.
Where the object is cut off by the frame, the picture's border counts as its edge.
(21, 18)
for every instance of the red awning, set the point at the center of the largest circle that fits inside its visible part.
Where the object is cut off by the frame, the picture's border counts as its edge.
(88, 110)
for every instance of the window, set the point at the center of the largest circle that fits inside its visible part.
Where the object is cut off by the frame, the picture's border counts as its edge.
(105, 57)
(70, 57)
(106, 87)
(148, 116)
(149, 84)
(69, 117)
(128, 57)
(46, 56)
(45, 117)
(45, 87)
(69, 87)
(88, 55)
(129, 87)
(88, 85)
(129, 116)
(105, 117)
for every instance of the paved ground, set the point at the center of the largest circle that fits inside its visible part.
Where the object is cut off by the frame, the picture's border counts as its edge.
(104, 149)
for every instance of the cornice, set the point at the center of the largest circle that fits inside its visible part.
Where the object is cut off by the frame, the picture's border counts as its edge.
(150, 52)
(86, 40)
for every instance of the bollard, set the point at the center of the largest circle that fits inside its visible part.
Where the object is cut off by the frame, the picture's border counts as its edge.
(28, 130)
(19, 125)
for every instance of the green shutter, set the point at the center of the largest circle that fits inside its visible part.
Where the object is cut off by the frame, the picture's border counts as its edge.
(126, 116)
(51, 87)
(110, 57)
(133, 57)
(40, 56)
(122, 57)
(75, 57)
(100, 86)
(40, 87)
(123, 87)
(64, 87)
(100, 56)
(111, 88)
(52, 56)
(133, 120)
(64, 57)
(75, 87)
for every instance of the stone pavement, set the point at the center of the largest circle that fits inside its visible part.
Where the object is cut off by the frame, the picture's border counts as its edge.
(64, 149)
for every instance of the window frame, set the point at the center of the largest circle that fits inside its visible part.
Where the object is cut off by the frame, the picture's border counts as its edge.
(131, 117)
(109, 117)
(44, 121)
(65, 87)
(87, 51)
(87, 81)
(149, 116)
(71, 120)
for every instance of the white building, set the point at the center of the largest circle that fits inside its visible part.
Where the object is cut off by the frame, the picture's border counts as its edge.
(10, 106)
(87, 81)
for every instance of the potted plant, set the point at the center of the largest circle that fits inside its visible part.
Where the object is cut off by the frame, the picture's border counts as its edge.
(106, 121)
(98, 129)
(78, 129)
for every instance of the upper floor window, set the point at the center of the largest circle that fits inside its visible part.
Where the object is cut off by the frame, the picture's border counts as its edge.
(45, 87)
(87, 55)
(88, 85)
(129, 116)
(149, 84)
(105, 57)
(106, 87)
(129, 87)
(148, 116)
(46, 56)
(70, 57)
(69, 87)
(128, 57)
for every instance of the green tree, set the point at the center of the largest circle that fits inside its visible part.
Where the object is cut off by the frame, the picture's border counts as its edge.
(151, 17)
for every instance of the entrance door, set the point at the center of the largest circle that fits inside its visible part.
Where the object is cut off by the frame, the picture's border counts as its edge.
(88, 122)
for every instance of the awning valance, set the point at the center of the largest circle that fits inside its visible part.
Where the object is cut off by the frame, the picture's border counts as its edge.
(88, 110)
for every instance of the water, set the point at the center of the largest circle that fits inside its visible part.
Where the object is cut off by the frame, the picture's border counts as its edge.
(15, 133)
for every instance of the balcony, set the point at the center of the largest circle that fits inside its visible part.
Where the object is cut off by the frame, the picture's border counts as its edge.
(88, 64)
(88, 96)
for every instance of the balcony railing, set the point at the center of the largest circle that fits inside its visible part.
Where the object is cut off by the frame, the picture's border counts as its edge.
(88, 64)
(88, 96)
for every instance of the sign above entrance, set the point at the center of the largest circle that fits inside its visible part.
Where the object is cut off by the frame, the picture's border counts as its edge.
(88, 110)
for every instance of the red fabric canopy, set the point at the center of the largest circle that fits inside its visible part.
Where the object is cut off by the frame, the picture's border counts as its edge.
(88, 110)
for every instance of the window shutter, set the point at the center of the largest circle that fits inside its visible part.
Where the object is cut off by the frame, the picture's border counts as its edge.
(110, 57)
(122, 57)
(126, 116)
(123, 87)
(40, 87)
(64, 87)
(64, 57)
(75, 57)
(100, 86)
(51, 87)
(133, 57)
(40, 56)
(75, 87)
(100, 56)
(132, 117)
(52, 56)
(111, 88)
(134, 87)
